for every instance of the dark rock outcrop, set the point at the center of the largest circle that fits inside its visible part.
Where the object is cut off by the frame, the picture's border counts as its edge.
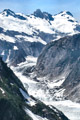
(43, 15)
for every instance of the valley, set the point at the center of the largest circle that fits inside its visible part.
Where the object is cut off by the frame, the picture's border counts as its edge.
(39, 66)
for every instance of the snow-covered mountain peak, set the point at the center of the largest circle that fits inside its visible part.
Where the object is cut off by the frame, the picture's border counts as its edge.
(10, 13)
(32, 31)
(7, 12)
(65, 22)
(63, 13)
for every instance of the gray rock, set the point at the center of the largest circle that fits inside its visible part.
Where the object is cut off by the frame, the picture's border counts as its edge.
(62, 59)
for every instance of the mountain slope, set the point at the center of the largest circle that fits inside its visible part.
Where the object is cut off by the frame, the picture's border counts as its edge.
(58, 65)
(23, 35)
(16, 104)
(11, 100)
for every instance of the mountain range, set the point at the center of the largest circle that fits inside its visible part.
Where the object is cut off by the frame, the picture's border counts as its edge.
(44, 53)
(22, 35)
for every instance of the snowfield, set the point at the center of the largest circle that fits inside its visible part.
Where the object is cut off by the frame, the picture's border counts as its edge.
(61, 23)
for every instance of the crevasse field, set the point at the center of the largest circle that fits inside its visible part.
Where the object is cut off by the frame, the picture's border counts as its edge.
(70, 109)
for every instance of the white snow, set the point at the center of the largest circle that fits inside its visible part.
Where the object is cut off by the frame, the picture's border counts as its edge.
(15, 48)
(3, 53)
(56, 83)
(25, 95)
(32, 87)
(40, 24)
(34, 116)
(31, 39)
(7, 60)
(3, 92)
(34, 24)
(31, 102)
(62, 24)
(31, 59)
(7, 38)
(11, 84)
(59, 93)
(15, 24)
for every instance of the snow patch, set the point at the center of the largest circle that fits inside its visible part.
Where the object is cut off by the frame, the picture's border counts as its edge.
(3, 53)
(7, 38)
(31, 59)
(25, 95)
(30, 101)
(15, 48)
(3, 92)
(31, 39)
(34, 116)
(56, 83)
(7, 60)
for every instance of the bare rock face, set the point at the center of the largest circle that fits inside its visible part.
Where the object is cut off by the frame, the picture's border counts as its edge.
(60, 60)
(43, 15)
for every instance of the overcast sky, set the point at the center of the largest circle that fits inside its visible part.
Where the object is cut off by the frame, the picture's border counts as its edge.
(51, 6)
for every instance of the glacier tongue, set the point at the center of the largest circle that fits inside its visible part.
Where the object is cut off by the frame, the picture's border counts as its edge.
(70, 109)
